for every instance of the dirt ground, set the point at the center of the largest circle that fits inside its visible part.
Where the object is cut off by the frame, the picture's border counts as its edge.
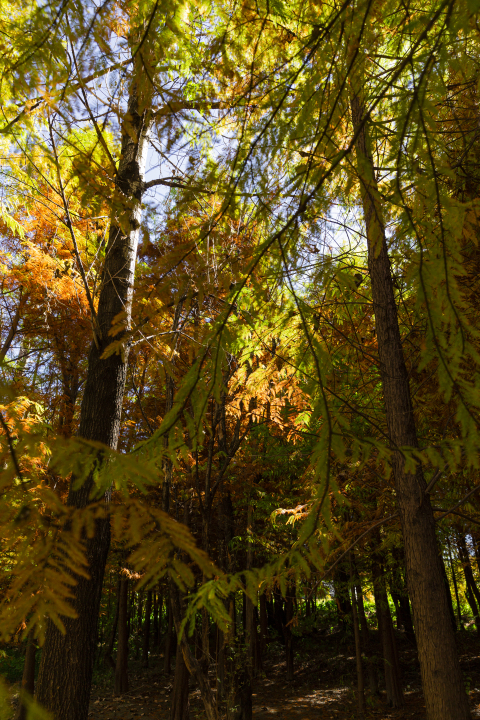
(323, 687)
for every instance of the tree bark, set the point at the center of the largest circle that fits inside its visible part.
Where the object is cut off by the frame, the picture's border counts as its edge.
(28, 678)
(444, 691)
(121, 666)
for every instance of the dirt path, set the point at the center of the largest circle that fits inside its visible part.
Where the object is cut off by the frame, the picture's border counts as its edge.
(322, 690)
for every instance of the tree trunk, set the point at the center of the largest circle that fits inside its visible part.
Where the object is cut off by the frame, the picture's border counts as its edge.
(371, 667)
(455, 586)
(111, 642)
(358, 658)
(180, 697)
(157, 618)
(167, 659)
(393, 683)
(121, 666)
(442, 679)
(146, 630)
(193, 666)
(220, 663)
(287, 631)
(342, 595)
(28, 678)
(400, 591)
(66, 666)
(279, 615)
(467, 567)
(263, 624)
(471, 590)
(449, 596)
(476, 547)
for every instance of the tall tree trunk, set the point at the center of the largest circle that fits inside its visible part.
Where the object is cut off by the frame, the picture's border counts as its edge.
(342, 595)
(28, 678)
(455, 586)
(250, 622)
(121, 666)
(111, 642)
(167, 659)
(400, 591)
(385, 625)
(444, 691)
(358, 657)
(220, 664)
(157, 609)
(180, 701)
(366, 642)
(263, 624)
(449, 596)
(180, 697)
(287, 631)
(146, 630)
(66, 667)
(193, 666)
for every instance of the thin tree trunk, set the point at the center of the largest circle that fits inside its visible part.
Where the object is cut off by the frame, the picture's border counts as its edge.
(65, 675)
(146, 630)
(366, 642)
(263, 623)
(193, 666)
(220, 664)
(342, 595)
(167, 660)
(358, 658)
(455, 586)
(250, 624)
(390, 656)
(121, 666)
(442, 679)
(180, 696)
(288, 633)
(111, 642)
(476, 547)
(28, 678)
(471, 590)
(449, 596)
(157, 609)
(469, 576)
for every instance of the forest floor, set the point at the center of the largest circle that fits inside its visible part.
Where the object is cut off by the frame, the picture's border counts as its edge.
(323, 687)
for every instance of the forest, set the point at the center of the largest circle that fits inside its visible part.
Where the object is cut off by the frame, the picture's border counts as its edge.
(239, 359)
